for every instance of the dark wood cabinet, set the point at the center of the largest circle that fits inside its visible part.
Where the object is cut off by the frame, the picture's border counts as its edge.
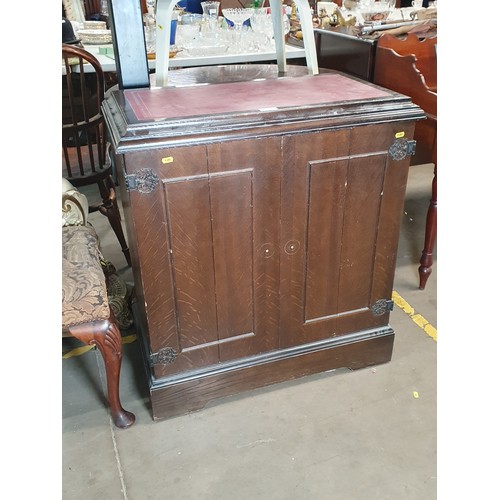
(347, 53)
(263, 226)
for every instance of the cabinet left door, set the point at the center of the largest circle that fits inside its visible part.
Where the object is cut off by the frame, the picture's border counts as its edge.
(207, 239)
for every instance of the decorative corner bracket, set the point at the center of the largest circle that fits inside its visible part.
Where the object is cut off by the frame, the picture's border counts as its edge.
(401, 148)
(382, 306)
(164, 356)
(144, 181)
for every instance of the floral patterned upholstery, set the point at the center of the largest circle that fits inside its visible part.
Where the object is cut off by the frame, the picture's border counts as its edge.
(84, 297)
(75, 211)
(87, 311)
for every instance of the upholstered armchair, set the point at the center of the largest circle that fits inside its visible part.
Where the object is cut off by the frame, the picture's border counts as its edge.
(86, 311)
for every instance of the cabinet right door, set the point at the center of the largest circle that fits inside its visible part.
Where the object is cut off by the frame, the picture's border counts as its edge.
(342, 202)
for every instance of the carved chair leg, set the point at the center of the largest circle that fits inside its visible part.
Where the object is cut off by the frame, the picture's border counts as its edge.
(106, 335)
(109, 208)
(426, 260)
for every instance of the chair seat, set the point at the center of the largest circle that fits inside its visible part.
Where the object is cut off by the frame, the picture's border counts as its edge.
(84, 297)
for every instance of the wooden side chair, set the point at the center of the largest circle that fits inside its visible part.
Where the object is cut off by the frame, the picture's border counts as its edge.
(86, 312)
(409, 66)
(85, 149)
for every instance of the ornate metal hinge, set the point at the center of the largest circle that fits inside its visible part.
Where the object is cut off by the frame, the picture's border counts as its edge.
(382, 306)
(401, 148)
(144, 181)
(164, 356)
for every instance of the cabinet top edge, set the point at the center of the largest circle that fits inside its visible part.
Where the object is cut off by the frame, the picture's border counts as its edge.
(271, 105)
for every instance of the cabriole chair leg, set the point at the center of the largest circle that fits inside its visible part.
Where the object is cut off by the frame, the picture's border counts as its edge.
(106, 336)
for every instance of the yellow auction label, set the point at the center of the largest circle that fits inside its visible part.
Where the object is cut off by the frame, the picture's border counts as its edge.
(167, 159)
(399, 135)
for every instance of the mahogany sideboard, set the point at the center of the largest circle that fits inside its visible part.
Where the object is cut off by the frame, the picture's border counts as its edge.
(263, 214)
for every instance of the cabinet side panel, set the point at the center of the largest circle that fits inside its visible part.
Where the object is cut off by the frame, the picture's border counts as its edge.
(359, 231)
(324, 237)
(192, 257)
(231, 210)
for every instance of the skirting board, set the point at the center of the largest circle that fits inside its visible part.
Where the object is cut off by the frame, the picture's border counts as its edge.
(191, 391)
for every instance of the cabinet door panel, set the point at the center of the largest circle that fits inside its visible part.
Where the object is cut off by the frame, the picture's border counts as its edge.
(232, 243)
(359, 231)
(210, 230)
(308, 160)
(344, 199)
(332, 210)
(245, 198)
(324, 237)
(190, 234)
(147, 217)
(159, 219)
(215, 219)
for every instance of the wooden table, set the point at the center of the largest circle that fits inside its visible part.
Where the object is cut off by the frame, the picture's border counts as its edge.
(104, 55)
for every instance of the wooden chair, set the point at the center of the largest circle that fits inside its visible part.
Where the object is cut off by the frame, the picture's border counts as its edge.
(408, 66)
(85, 152)
(86, 311)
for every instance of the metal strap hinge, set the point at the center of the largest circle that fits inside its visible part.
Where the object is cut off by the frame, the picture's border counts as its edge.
(144, 181)
(401, 148)
(382, 306)
(164, 356)
(411, 146)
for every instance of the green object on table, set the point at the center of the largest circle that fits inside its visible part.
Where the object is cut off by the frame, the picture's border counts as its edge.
(107, 51)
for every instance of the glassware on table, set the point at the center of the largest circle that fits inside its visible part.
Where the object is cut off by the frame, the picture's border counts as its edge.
(262, 23)
(356, 4)
(186, 33)
(237, 33)
(237, 16)
(210, 14)
(191, 18)
(150, 32)
(208, 44)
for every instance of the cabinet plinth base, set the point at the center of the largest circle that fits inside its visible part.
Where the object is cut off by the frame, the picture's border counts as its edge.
(192, 391)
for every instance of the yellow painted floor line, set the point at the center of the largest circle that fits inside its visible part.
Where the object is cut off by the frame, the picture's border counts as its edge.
(78, 351)
(418, 319)
(129, 339)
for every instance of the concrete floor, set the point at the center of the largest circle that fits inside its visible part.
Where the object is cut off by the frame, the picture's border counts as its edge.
(367, 434)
